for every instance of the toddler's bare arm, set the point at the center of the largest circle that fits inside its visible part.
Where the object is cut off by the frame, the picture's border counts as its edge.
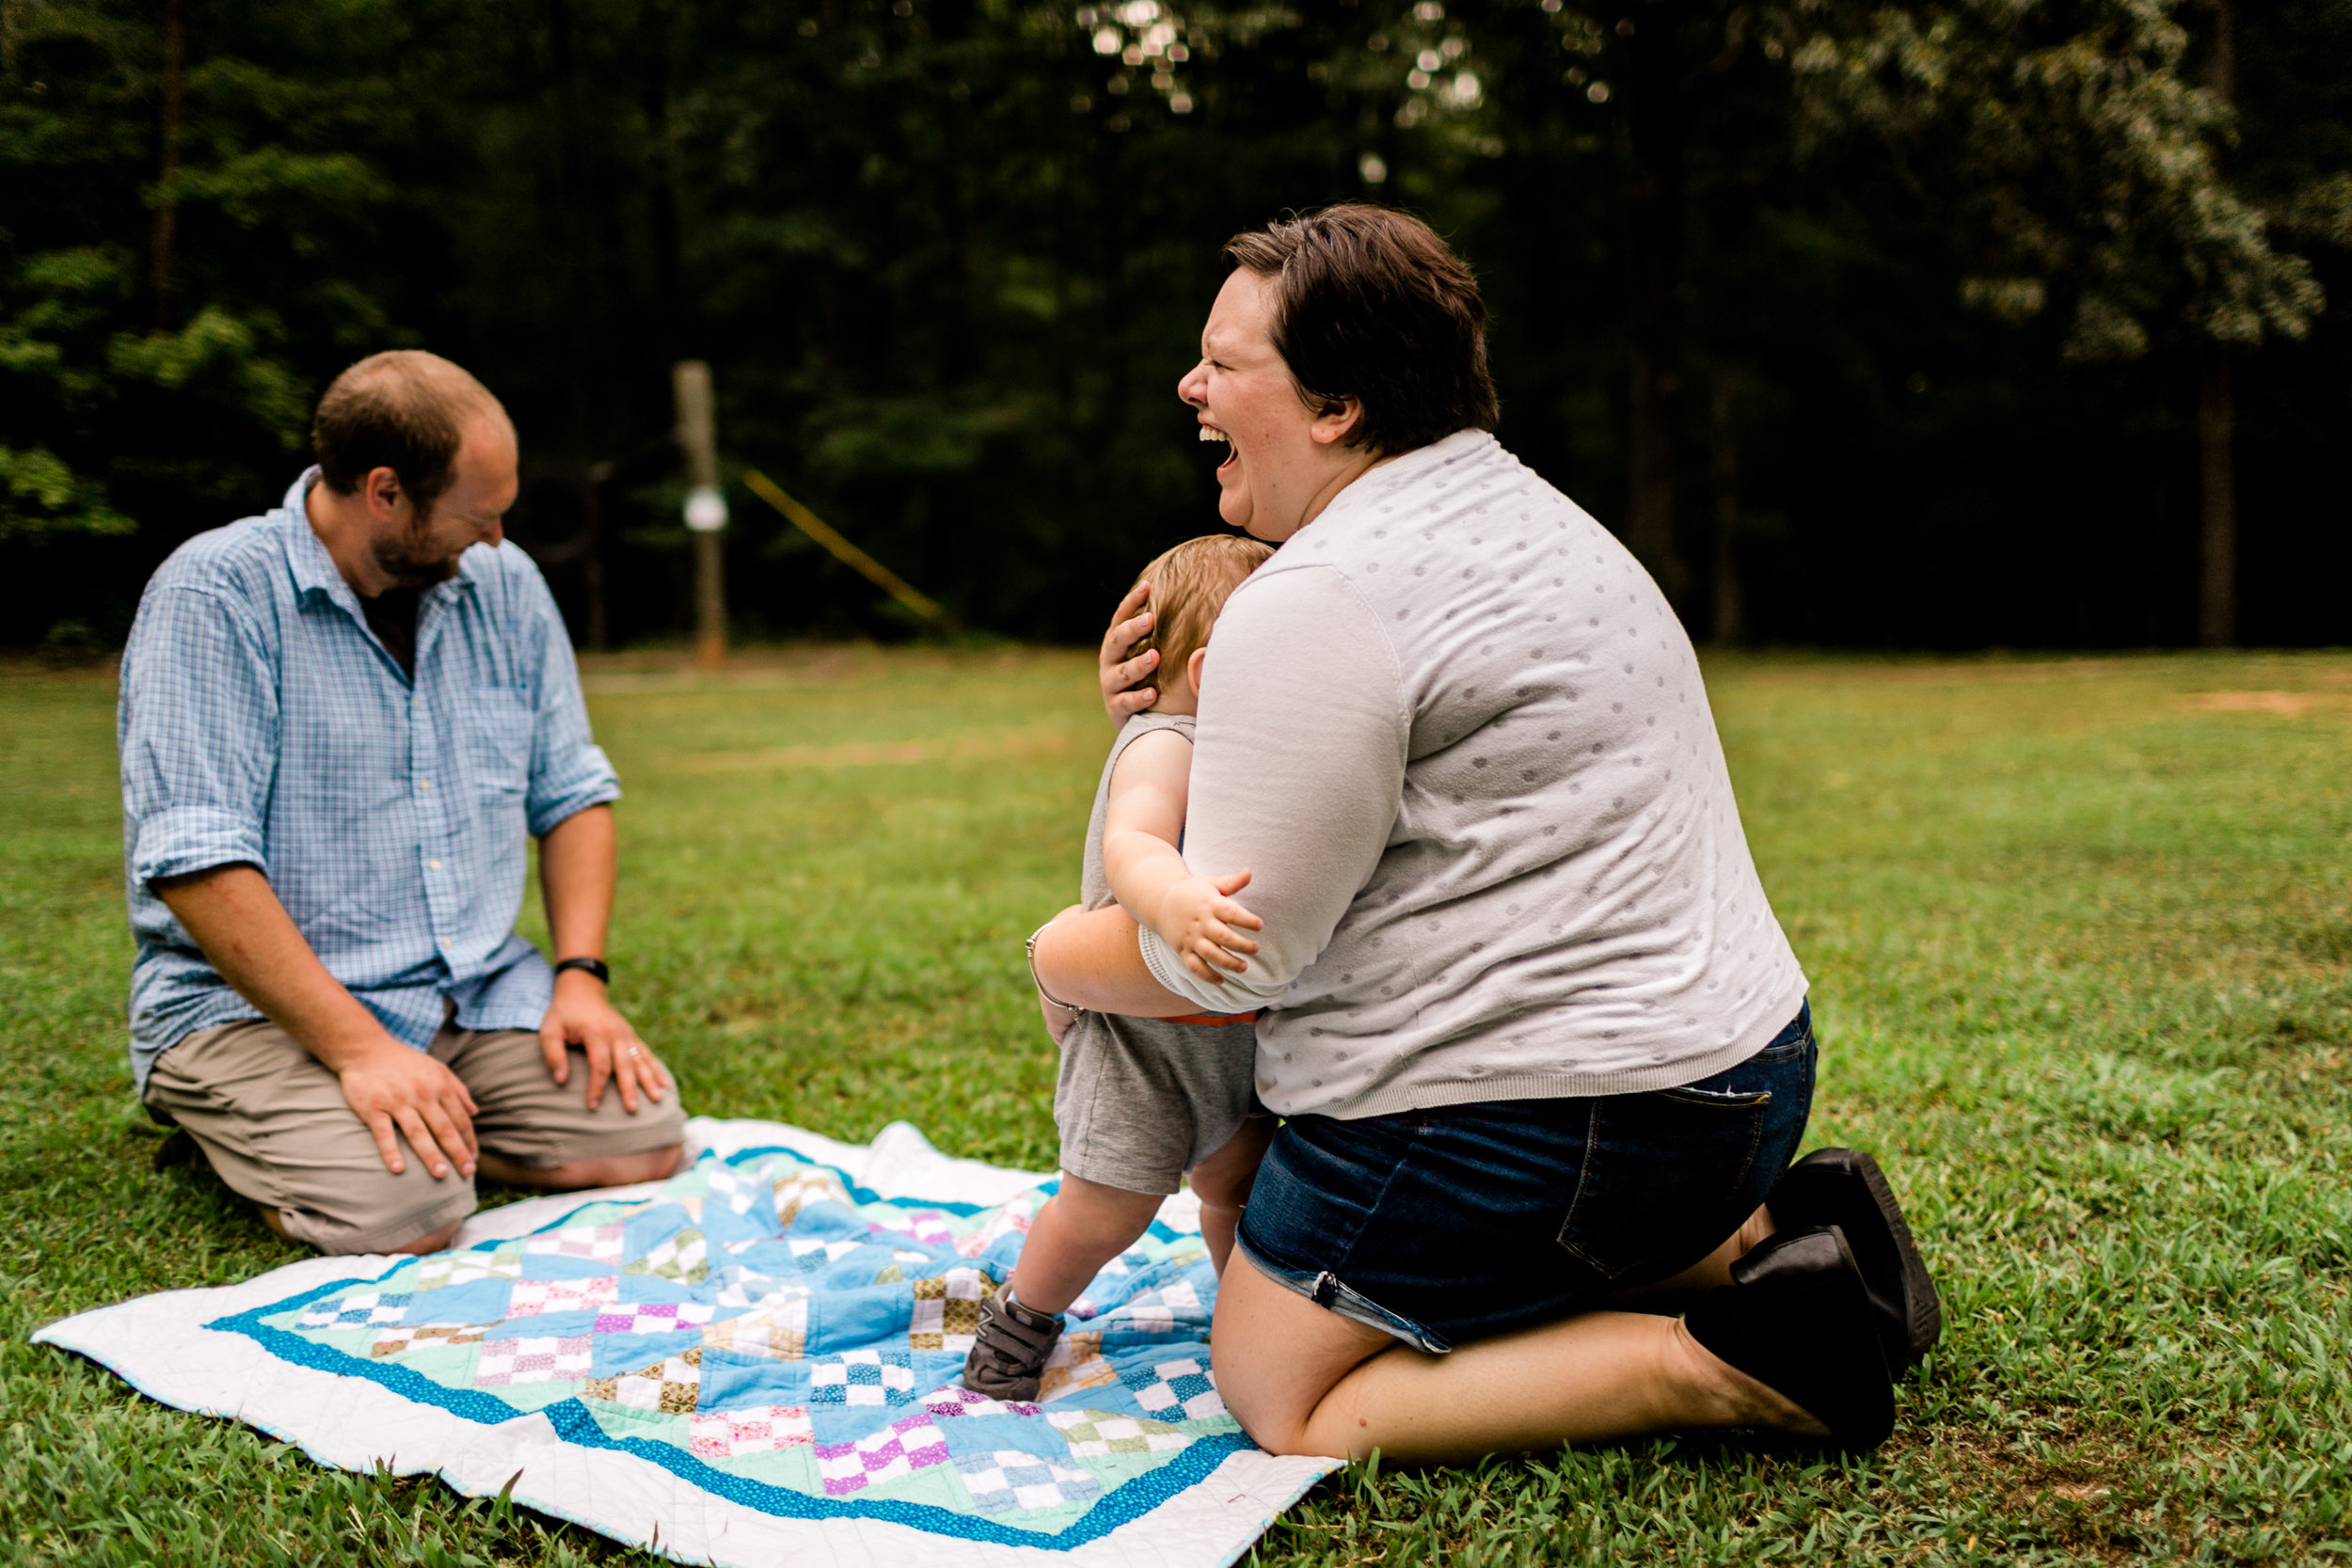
(1142, 821)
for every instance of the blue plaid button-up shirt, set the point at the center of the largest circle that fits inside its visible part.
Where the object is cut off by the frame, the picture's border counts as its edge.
(261, 721)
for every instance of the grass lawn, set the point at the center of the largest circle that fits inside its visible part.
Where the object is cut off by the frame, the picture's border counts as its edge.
(2078, 934)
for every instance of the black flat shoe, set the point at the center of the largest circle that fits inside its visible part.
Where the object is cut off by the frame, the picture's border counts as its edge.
(1797, 1319)
(1844, 1187)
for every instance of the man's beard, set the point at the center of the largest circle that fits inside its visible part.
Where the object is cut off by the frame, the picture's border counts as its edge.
(410, 560)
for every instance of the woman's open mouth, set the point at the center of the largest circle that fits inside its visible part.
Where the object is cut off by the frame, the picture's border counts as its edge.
(1210, 433)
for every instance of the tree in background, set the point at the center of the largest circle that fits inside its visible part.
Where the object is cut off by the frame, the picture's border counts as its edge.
(2064, 149)
(184, 246)
(1752, 263)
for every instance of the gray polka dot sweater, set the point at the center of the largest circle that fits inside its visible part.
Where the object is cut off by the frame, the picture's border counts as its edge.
(1461, 743)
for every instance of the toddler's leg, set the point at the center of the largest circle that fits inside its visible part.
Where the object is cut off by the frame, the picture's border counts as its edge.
(1082, 1226)
(1222, 1183)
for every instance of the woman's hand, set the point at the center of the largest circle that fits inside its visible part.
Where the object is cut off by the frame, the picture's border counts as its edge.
(1058, 1018)
(1199, 918)
(1118, 672)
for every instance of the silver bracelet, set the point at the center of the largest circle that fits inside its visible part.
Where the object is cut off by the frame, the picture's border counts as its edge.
(1047, 995)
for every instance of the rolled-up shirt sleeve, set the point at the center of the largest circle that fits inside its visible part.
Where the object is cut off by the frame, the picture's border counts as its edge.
(569, 771)
(1297, 771)
(199, 736)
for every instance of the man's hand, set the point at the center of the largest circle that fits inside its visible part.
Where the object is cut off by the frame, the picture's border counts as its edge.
(235, 917)
(391, 1085)
(1199, 919)
(580, 1015)
(1118, 672)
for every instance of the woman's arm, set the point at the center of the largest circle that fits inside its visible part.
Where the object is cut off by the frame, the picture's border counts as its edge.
(1092, 961)
(1297, 766)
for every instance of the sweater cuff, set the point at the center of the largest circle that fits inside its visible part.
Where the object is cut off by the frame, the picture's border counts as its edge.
(1241, 993)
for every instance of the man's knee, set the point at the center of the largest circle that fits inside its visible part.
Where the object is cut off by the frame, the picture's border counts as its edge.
(367, 1219)
(433, 1240)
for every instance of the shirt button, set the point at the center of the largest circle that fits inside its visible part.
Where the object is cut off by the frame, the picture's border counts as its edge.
(425, 788)
(433, 866)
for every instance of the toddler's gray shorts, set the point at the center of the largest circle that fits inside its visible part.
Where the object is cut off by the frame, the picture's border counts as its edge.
(1141, 1100)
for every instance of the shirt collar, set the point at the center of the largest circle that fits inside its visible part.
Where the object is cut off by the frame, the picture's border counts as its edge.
(314, 570)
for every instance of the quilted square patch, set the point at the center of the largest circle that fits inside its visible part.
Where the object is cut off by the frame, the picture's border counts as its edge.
(947, 1311)
(861, 1377)
(533, 1360)
(898, 1450)
(1175, 1391)
(1008, 1479)
(756, 1428)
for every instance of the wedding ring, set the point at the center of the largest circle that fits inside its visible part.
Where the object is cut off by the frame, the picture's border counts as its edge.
(634, 1051)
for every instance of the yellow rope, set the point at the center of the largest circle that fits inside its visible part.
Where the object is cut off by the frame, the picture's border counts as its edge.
(858, 561)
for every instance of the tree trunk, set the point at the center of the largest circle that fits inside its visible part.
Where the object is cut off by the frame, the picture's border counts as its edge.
(1729, 625)
(1654, 281)
(653, 86)
(2216, 432)
(2216, 413)
(167, 229)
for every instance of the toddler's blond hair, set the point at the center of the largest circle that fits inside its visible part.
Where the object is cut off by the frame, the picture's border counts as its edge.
(1190, 587)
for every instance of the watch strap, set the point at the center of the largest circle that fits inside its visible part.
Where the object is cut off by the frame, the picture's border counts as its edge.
(594, 966)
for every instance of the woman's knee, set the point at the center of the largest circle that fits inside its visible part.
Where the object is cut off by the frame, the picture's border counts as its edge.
(1278, 1357)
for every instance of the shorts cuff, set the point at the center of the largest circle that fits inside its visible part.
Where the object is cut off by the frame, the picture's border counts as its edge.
(1324, 1289)
(336, 1238)
(1126, 1178)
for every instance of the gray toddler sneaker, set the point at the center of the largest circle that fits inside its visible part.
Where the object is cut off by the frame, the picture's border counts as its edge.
(1008, 1352)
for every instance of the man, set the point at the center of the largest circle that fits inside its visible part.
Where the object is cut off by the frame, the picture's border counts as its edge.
(338, 722)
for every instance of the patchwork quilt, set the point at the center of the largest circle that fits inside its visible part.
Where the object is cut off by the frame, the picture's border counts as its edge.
(757, 1361)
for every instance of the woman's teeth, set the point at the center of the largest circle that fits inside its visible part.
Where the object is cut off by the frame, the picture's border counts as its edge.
(1209, 432)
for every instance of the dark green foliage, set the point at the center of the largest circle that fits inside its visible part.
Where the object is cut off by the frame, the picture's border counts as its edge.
(949, 257)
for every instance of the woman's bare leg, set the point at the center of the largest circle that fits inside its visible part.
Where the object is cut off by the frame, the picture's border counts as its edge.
(1083, 1225)
(1222, 1184)
(1711, 1273)
(1303, 1380)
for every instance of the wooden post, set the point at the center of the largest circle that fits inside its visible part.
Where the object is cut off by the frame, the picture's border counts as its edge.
(705, 508)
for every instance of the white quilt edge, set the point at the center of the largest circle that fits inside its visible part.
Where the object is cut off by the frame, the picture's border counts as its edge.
(1208, 1525)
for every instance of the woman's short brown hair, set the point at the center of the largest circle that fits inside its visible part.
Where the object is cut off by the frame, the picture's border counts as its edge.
(1370, 304)
(1190, 587)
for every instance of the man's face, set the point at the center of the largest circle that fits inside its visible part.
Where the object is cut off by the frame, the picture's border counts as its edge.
(418, 550)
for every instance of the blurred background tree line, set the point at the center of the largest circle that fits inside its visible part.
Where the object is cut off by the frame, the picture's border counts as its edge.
(1915, 322)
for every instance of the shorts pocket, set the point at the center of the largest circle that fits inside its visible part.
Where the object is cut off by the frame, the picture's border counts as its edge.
(1659, 1168)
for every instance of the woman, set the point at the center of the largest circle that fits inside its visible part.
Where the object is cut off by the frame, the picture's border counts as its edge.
(1540, 1043)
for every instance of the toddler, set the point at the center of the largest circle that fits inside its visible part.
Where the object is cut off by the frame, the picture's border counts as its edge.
(1142, 1101)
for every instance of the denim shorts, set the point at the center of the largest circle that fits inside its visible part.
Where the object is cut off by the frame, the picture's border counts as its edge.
(1446, 1225)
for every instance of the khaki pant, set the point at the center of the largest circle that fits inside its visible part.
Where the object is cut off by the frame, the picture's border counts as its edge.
(273, 1121)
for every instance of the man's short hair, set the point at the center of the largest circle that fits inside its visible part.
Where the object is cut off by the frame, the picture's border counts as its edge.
(1371, 304)
(1190, 587)
(406, 410)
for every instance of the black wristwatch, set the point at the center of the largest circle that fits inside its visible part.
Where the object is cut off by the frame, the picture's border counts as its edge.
(594, 966)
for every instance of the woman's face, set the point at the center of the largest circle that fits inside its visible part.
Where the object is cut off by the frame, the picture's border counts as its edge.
(1286, 460)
